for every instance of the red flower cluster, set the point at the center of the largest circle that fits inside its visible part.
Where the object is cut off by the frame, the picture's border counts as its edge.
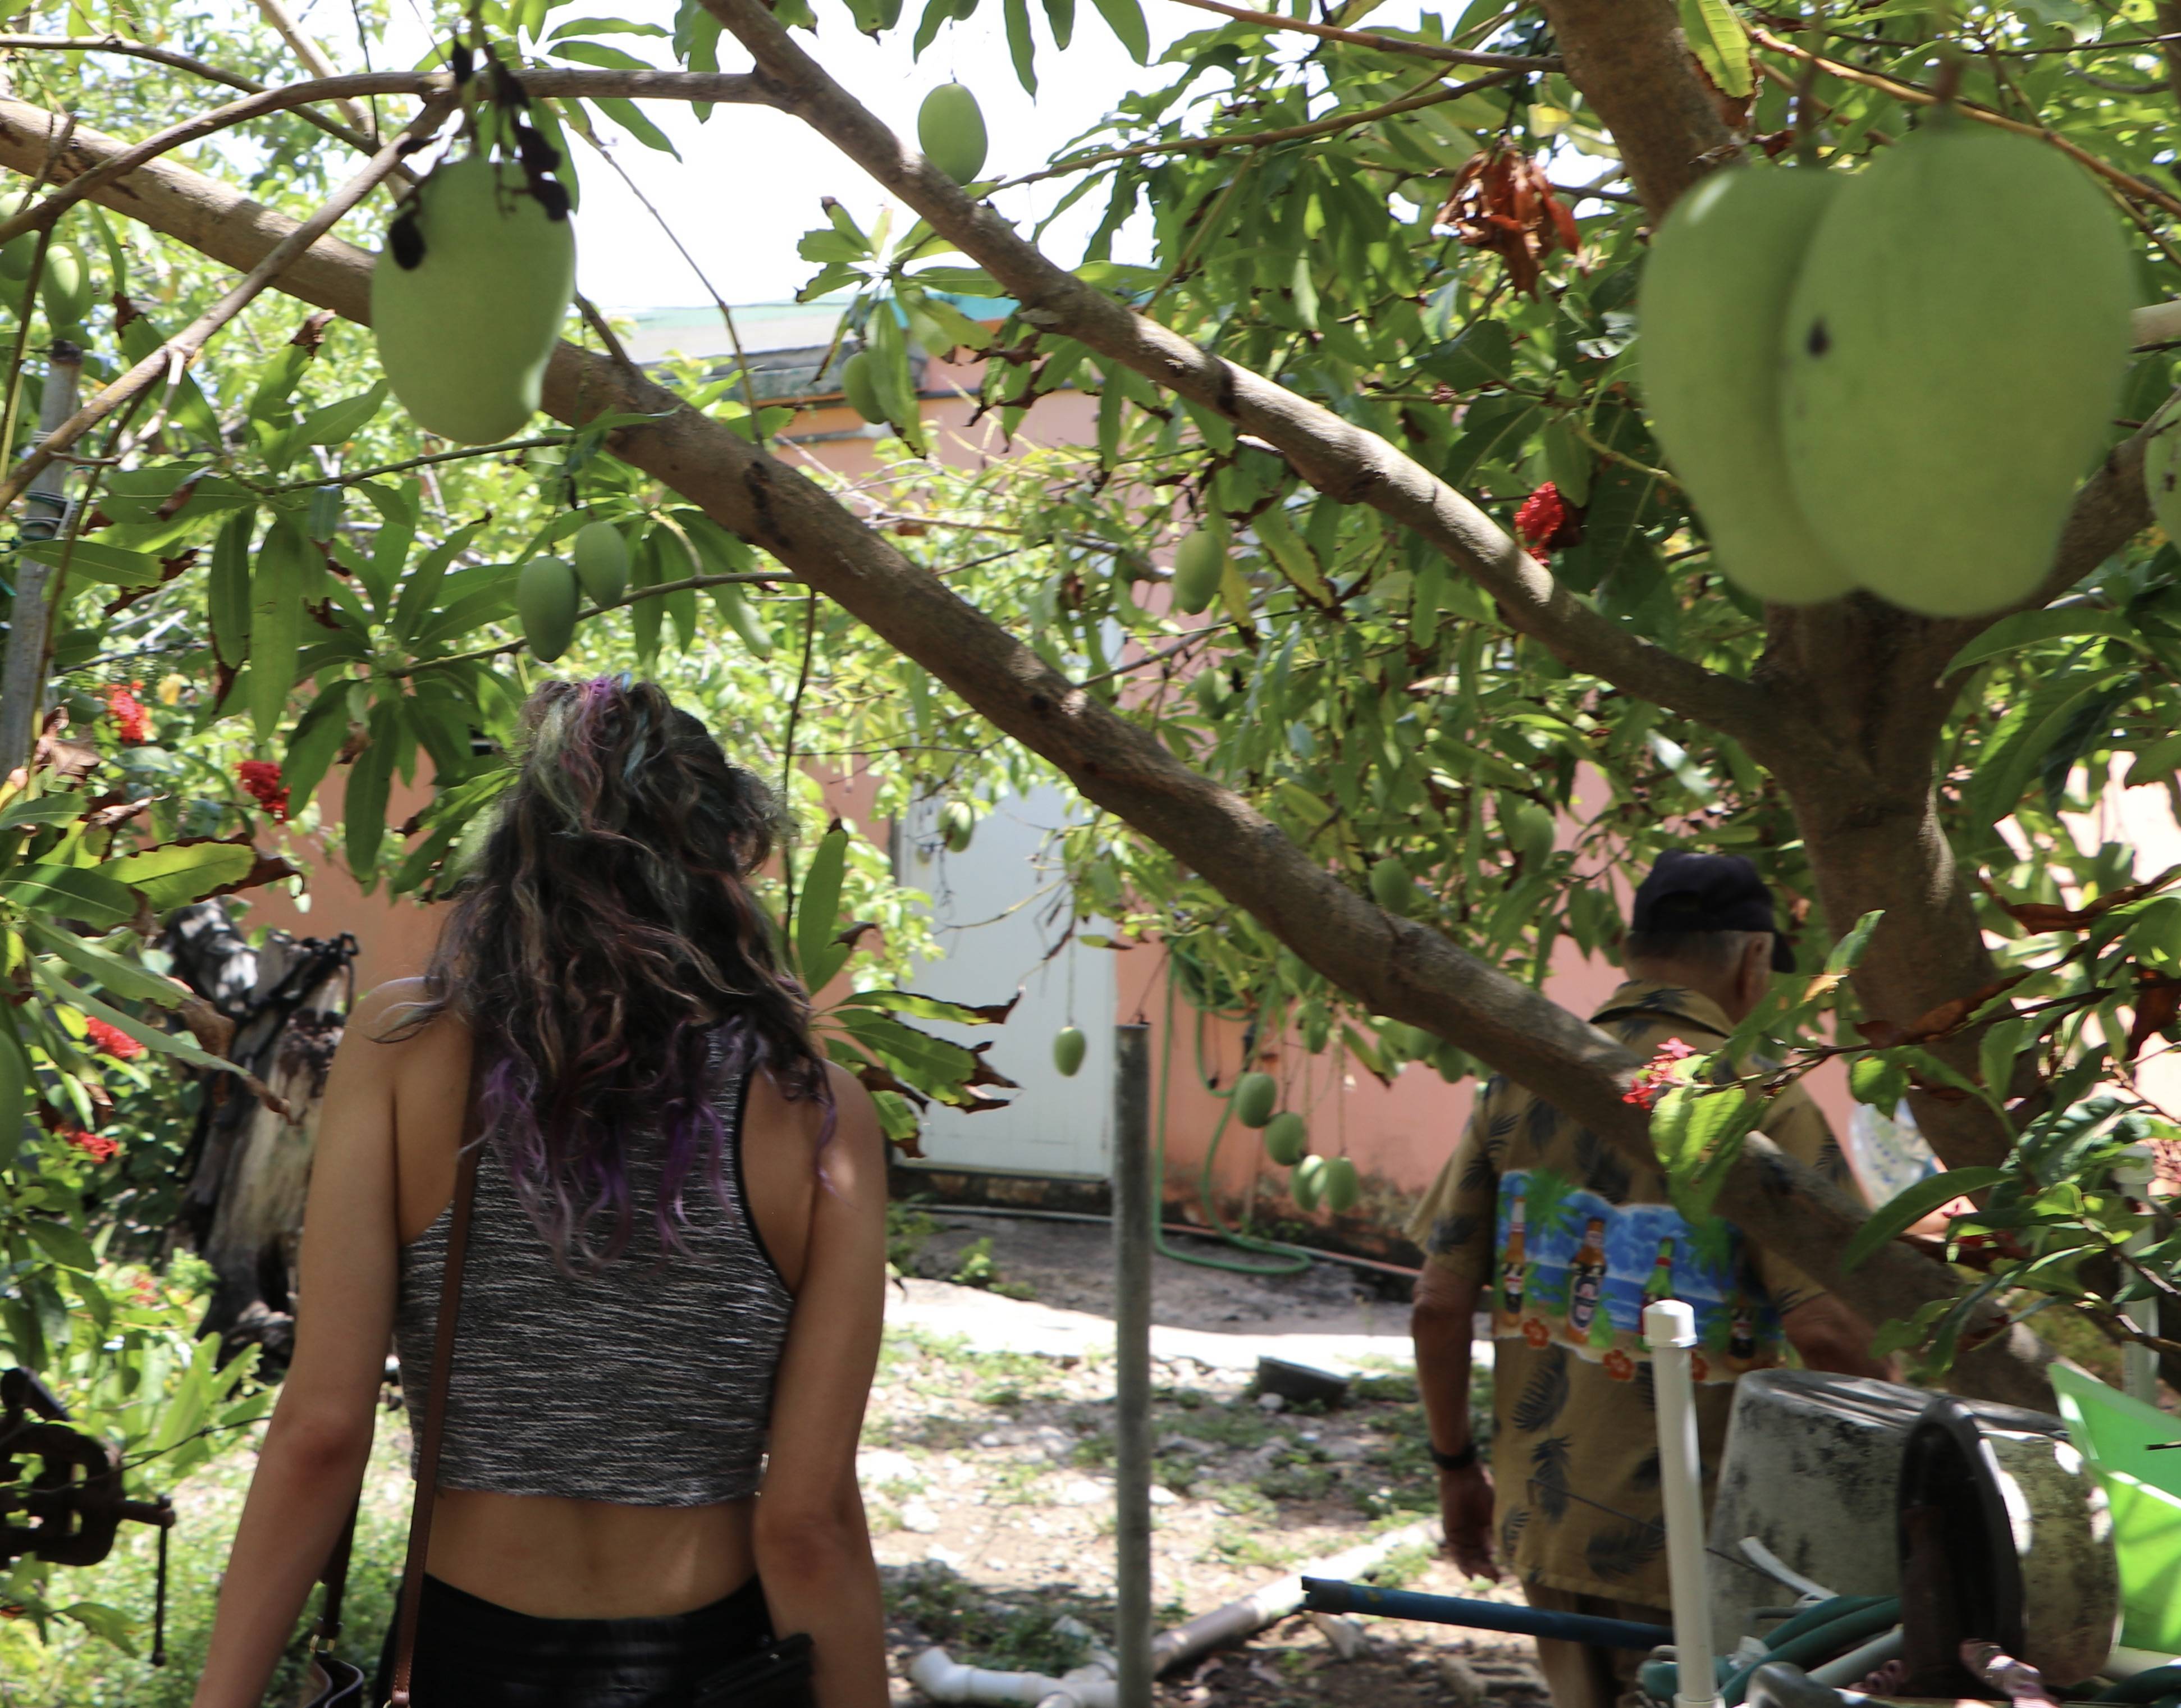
(130, 719)
(98, 1149)
(1543, 514)
(261, 780)
(1657, 1076)
(110, 1040)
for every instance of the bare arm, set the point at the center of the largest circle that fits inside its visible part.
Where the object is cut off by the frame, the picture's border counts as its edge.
(1440, 1324)
(814, 1554)
(312, 1461)
(1830, 1335)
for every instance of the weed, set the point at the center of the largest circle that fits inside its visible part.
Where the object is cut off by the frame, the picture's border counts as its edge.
(1235, 1427)
(908, 1228)
(1250, 1548)
(1403, 1566)
(993, 1633)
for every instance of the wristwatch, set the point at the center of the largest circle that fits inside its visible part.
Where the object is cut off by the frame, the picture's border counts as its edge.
(1459, 1460)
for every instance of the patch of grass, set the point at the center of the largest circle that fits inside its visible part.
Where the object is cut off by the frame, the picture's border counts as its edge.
(1094, 1453)
(975, 1628)
(1016, 1484)
(1240, 1428)
(908, 1230)
(1381, 1390)
(1403, 1566)
(1298, 1477)
(1250, 1548)
(1242, 1500)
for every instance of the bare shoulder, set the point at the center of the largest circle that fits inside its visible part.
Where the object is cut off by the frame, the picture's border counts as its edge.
(387, 1014)
(855, 1128)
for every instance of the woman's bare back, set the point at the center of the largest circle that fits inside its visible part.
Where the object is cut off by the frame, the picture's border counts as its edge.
(544, 1556)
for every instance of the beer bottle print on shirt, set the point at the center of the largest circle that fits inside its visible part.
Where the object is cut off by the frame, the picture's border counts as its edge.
(1661, 1283)
(1587, 1281)
(1513, 1271)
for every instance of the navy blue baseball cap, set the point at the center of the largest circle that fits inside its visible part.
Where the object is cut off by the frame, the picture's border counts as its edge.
(1688, 892)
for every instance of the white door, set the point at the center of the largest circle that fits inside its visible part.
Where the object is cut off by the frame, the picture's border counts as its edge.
(997, 909)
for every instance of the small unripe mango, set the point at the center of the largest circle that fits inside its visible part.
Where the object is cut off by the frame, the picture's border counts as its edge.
(1286, 1139)
(1256, 1097)
(545, 600)
(1391, 885)
(1200, 564)
(860, 390)
(1306, 1184)
(956, 825)
(1069, 1046)
(1342, 1185)
(601, 556)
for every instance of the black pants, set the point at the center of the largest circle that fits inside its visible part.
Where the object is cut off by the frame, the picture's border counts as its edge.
(473, 1653)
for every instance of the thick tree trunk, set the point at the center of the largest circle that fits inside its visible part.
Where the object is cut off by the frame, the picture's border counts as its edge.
(1398, 968)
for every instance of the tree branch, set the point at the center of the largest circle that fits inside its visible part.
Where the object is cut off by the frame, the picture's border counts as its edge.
(1339, 459)
(641, 85)
(1384, 44)
(1398, 967)
(1628, 58)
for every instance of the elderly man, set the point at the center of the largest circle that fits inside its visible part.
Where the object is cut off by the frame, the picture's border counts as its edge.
(1538, 1221)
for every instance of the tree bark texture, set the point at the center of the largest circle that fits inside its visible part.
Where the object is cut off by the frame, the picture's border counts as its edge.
(1398, 968)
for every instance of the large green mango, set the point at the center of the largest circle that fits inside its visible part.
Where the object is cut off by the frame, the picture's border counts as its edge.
(467, 299)
(1954, 350)
(545, 600)
(1710, 310)
(950, 127)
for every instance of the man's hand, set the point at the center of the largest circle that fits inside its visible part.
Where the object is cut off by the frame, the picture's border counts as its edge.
(1465, 1511)
(1830, 1335)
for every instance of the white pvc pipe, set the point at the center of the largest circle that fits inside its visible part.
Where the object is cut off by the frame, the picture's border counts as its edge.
(1670, 1329)
(944, 1679)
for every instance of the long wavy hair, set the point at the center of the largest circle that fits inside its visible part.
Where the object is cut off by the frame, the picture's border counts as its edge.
(612, 965)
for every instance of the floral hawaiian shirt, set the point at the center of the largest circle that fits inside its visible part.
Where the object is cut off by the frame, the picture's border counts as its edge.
(1569, 1242)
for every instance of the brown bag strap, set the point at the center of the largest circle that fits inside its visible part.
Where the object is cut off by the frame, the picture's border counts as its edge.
(435, 1402)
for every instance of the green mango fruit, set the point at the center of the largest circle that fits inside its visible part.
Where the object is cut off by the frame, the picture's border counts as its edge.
(601, 556)
(2161, 471)
(1306, 1184)
(1403, 1042)
(545, 600)
(1391, 885)
(15, 257)
(1532, 831)
(950, 128)
(1342, 1185)
(1256, 1097)
(860, 390)
(956, 825)
(1316, 1030)
(1200, 564)
(1068, 1046)
(1209, 691)
(1287, 1139)
(1710, 313)
(467, 299)
(65, 286)
(1954, 350)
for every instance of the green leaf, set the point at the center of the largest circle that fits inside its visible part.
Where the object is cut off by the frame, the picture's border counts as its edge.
(227, 588)
(1716, 37)
(152, 1037)
(338, 423)
(1697, 1132)
(14, 1089)
(413, 606)
(2030, 627)
(817, 954)
(70, 893)
(364, 815)
(1060, 14)
(1848, 951)
(1125, 19)
(1021, 48)
(60, 1242)
(181, 872)
(92, 559)
(1904, 1211)
(276, 623)
(1877, 1082)
(121, 978)
(1997, 1049)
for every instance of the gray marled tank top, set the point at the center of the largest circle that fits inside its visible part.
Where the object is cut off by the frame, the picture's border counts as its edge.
(647, 1384)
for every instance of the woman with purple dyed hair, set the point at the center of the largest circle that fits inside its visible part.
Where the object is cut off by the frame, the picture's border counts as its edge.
(675, 1269)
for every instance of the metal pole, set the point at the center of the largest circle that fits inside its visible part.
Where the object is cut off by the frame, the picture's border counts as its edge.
(1670, 1329)
(1134, 1207)
(45, 509)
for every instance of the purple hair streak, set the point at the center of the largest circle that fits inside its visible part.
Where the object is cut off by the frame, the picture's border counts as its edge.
(614, 970)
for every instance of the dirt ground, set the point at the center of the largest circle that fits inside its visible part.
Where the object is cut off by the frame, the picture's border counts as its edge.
(988, 1475)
